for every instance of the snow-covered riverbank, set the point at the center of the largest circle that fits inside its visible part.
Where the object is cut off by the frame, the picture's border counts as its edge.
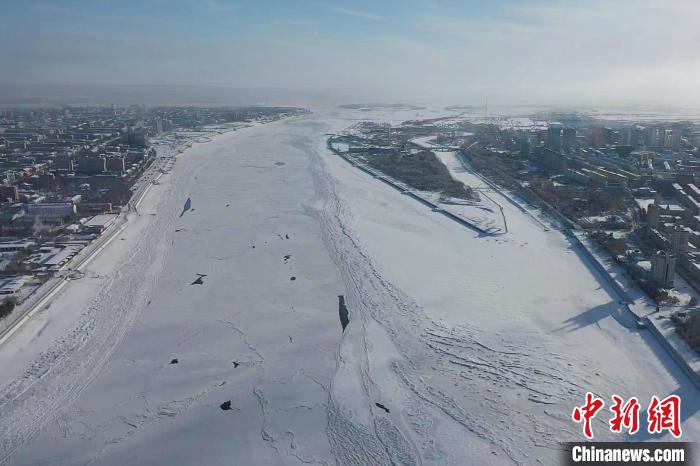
(502, 334)
(460, 348)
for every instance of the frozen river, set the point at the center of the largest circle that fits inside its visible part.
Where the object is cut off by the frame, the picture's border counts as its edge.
(461, 349)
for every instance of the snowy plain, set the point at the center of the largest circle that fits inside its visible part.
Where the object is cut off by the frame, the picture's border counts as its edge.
(461, 348)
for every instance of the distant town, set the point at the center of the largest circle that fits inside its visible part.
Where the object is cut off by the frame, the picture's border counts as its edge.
(69, 173)
(625, 191)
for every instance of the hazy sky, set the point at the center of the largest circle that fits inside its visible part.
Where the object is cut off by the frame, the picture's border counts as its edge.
(593, 51)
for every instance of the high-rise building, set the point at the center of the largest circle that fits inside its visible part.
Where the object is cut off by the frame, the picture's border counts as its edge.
(569, 139)
(667, 138)
(676, 139)
(554, 138)
(653, 215)
(634, 136)
(654, 135)
(526, 147)
(554, 161)
(679, 237)
(663, 268)
(600, 136)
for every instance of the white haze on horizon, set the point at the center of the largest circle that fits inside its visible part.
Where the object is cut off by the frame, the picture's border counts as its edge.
(611, 52)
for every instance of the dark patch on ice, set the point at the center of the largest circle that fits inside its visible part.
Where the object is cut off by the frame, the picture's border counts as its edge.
(287, 257)
(291, 340)
(279, 164)
(381, 406)
(226, 405)
(174, 361)
(198, 280)
(187, 206)
(343, 312)
(227, 205)
(293, 278)
(178, 230)
(235, 364)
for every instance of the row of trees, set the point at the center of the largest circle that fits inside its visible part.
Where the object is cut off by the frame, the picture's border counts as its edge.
(7, 307)
(688, 325)
(423, 171)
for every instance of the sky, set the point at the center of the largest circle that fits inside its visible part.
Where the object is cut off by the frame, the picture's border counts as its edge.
(513, 52)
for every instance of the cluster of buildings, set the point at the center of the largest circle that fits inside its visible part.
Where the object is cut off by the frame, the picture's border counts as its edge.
(633, 164)
(60, 164)
(603, 154)
(66, 172)
(59, 167)
(673, 226)
(635, 186)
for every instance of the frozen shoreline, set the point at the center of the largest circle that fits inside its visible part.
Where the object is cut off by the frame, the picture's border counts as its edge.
(527, 290)
(11, 323)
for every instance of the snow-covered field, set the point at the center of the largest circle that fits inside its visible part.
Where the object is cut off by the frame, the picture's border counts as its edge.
(461, 349)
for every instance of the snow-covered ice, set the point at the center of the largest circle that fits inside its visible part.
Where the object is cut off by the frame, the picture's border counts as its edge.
(460, 349)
